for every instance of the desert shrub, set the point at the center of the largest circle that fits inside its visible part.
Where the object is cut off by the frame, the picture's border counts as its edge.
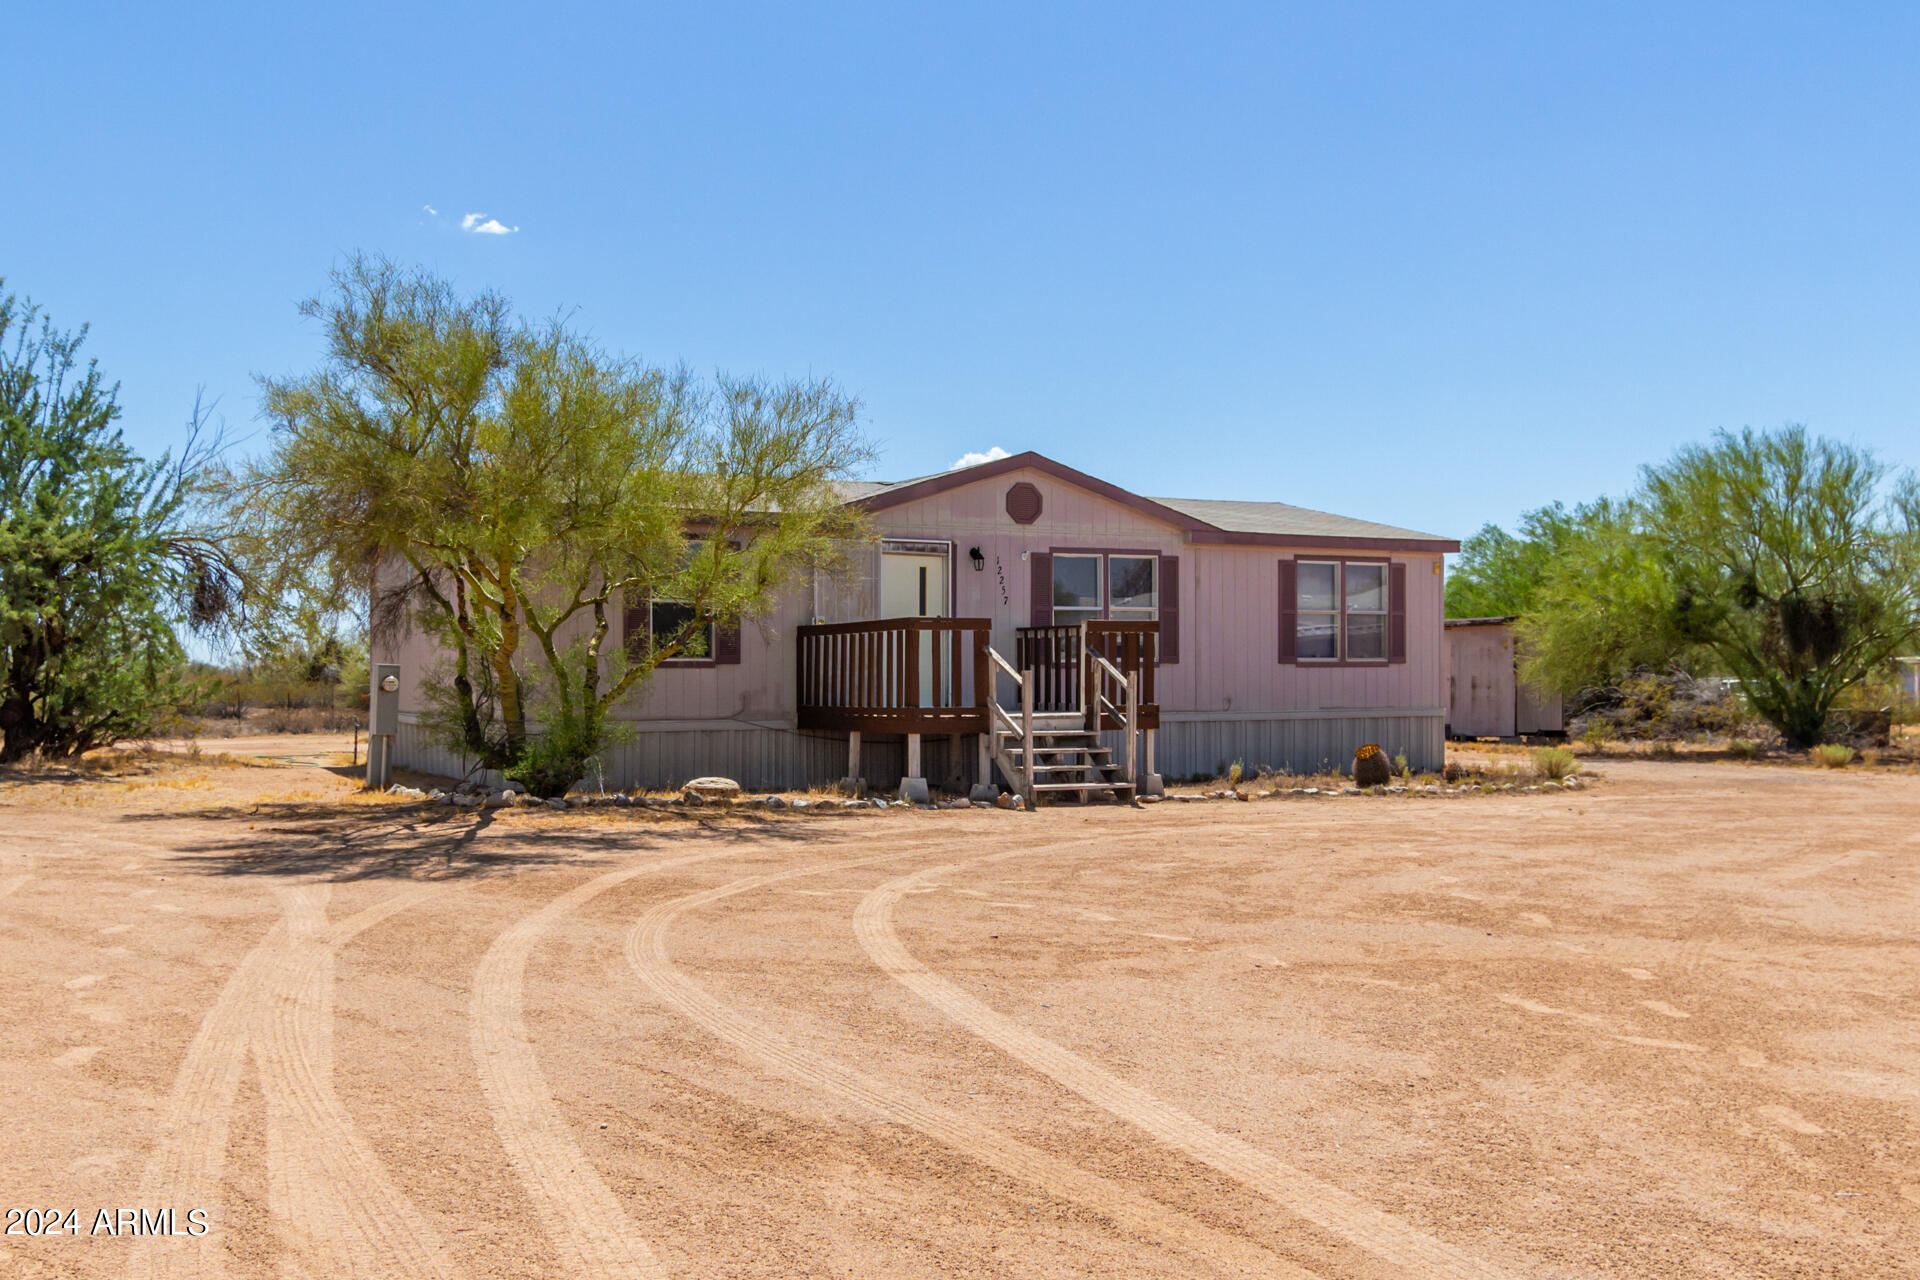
(1743, 749)
(1597, 732)
(1400, 765)
(1664, 751)
(1832, 755)
(1451, 772)
(1555, 762)
(1236, 772)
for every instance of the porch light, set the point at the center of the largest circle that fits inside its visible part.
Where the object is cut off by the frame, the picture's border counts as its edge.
(979, 561)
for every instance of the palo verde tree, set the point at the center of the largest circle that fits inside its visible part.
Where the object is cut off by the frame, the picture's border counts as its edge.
(509, 486)
(99, 560)
(1795, 561)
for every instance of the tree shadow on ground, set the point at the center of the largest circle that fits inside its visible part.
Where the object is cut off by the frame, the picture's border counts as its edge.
(423, 841)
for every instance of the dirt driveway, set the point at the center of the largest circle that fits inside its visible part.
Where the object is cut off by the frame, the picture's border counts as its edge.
(1669, 1026)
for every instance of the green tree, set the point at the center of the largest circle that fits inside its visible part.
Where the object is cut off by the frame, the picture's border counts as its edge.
(97, 558)
(1499, 573)
(1603, 606)
(508, 485)
(1795, 561)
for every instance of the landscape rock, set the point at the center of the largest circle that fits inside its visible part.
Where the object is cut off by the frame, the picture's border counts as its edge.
(984, 793)
(712, 788)
(555, 802)
(1004, 801)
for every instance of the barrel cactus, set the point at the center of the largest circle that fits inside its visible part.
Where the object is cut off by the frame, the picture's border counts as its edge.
(1370, 767)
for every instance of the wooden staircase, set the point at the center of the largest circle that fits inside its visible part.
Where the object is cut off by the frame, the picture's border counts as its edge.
(1068, 761)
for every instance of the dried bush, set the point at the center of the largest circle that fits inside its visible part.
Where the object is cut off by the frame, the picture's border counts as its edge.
(1832, 755)
(1743, 749)
(1555, 762)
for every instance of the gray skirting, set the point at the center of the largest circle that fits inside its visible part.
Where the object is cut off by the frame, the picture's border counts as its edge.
(762, 757)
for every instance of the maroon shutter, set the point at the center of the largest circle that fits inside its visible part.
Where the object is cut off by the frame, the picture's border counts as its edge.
(1397, 612)
(1040, 589)
(1289, 611)
(633, 629)
(726, 645)
(1169, 608)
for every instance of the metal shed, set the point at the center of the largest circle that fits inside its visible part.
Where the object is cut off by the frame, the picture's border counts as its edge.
(1485, 696)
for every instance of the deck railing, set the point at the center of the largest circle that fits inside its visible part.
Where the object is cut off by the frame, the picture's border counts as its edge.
(1059, 658)
(895, 675)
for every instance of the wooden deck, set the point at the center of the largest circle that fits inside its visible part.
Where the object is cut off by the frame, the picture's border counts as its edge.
(933, 675)
(895, 675)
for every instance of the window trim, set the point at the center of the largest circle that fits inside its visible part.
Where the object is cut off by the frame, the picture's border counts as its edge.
(1340, 564)
(713, 637)
(1105, 555)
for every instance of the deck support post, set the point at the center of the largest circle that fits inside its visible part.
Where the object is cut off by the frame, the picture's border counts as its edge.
(913, 786)
(1026, 735)
(853, 781)
(1150, 782)
(986, 761)
(1133, 729)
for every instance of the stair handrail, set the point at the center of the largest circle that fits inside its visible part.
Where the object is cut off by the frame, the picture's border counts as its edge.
(1130, 717)
(1023, 681)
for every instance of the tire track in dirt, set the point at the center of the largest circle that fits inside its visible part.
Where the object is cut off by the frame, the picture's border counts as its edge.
(1327, 1206)
(345, 1216)
(188, 1160)
(583, 1219)
(648, 955)
(16, 868)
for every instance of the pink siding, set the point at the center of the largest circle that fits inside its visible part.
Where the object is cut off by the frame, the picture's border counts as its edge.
(1229, 615)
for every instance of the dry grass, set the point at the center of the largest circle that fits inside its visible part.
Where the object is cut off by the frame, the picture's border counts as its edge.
(1832, 755)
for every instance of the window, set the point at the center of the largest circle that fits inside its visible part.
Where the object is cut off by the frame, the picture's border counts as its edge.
(1341, 611)
(1319, 620)
(1076, 589)
(1091, 586)
(1366, 612)
(1130, 587)
(666, 618)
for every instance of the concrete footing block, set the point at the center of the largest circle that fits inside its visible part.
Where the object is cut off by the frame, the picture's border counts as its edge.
(984, 793)
(1151, 784)
(914, 790)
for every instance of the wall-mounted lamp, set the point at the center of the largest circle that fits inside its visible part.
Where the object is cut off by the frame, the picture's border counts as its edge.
(979, 560)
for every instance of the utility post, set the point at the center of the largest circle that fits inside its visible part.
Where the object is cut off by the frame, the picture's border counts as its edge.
(383, 721)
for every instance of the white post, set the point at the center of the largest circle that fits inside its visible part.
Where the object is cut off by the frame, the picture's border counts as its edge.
(913, 755)
(853, 754)
(986, 758)
(1150, 735)
(1026, 730)
(1133, 729)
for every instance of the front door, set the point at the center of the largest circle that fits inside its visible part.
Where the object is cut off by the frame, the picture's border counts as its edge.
(914, 585)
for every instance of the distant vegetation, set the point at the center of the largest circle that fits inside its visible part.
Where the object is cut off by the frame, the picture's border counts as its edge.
(1788, 562)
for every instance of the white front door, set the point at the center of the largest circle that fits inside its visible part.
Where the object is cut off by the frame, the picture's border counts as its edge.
(914, 585)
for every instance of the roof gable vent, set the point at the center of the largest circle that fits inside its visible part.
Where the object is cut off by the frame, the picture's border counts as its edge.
(1023, 503)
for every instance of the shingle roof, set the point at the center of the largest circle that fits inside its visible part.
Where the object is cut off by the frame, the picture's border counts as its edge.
(1280, 518)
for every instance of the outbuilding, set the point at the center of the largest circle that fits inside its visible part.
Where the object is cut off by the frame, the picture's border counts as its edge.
(1486, 698)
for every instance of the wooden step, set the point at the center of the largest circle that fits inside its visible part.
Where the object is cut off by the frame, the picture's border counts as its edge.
(1063, 751)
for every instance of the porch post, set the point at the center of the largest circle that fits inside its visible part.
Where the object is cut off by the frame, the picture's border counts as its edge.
(1026, 733)
(1133, 729)
(913, 786)
(853, 756)
(986, 761)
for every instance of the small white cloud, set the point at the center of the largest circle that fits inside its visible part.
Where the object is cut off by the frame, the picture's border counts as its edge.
(431, 210)
(481, 225)
(975, 459)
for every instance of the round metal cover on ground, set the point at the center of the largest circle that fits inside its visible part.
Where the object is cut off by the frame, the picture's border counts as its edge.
(1023, 503)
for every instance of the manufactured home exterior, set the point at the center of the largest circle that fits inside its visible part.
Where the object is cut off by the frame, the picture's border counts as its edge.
(1255, 632)
(1486, 698)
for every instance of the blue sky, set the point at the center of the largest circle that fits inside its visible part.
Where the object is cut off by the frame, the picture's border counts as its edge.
(1426, 264)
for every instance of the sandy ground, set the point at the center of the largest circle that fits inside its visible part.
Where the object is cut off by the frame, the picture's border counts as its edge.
(1669, 1026)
